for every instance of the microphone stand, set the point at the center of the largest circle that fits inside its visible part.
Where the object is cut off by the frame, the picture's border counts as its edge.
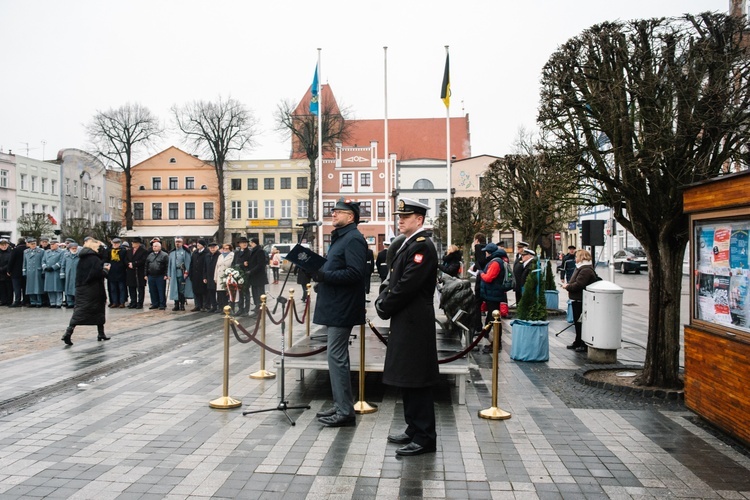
(283, 405)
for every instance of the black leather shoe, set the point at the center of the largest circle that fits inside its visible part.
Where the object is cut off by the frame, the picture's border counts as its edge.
(571, 346)
(66, 337)
(402, 438)
(326, 413)
(581, 348)
(414, 449)
(101, 336)
(338, 420)
(176, 307)
(153, 307)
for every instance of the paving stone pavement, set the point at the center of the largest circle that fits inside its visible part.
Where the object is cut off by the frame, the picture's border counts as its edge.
(129, 419)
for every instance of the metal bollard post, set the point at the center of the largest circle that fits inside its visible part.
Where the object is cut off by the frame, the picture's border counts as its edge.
(362, 406)
(225, 402)
(309, 308)
(290, 340)
(262, 373)
(495, 413)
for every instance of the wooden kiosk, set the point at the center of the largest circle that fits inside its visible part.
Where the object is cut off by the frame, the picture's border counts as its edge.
(717, 340)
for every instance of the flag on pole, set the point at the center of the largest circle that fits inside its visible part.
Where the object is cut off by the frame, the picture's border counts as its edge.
(314, 91)
(445, 90)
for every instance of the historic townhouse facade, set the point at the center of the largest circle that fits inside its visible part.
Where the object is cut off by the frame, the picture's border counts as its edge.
(8, 204)
(38, 188)
(82, 179)
(174, 194)
(266, 199)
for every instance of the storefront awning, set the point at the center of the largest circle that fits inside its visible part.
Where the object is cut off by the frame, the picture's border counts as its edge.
(172, 231)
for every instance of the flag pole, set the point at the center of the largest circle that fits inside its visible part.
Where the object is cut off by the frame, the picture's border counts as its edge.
(449, 204)
(386, 155)
(320, 157)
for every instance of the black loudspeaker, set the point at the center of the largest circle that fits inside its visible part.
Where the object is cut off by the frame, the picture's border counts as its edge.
(592, 233)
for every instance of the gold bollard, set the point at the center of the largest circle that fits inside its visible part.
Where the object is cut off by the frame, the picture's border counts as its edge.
(225, 402)
(263, 373)
(362, 406)
(495, 413)
(290, 341)
(309, 311)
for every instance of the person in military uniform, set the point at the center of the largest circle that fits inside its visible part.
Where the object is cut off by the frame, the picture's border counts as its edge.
(178, 271)
(518, 269)
(340, 305)
(51, 265)
(68, 274)
(411, 356)
(32, 270)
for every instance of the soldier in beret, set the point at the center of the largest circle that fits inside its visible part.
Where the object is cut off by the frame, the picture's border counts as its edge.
(411, 356)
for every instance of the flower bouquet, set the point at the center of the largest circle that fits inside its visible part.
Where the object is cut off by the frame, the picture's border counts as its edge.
(233, 278)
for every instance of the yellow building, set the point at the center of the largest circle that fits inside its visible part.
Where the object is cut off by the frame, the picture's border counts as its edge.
(266, 199)
(174, 194)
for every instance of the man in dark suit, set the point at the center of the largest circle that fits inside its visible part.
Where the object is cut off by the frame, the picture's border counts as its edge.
(242, 261)
(135, 272)
(411, 356)
(257, 275)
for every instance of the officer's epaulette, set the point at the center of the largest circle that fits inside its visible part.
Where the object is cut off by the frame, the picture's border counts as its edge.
(421, 238)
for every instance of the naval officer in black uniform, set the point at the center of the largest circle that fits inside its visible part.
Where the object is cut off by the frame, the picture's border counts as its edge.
(411, 357)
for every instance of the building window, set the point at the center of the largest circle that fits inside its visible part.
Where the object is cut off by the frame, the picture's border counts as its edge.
(4, 210)
(365, 179)
(44, 184)
(268, 209)
(236, 184)
(53, 186)
(438, 203)
(189, 182)
(44, 209)
(285, 183)
(252, 209)
(4, 178)
(67, 187)
(346, 180)
(156, 183)
(173, 184)
(423, 184)
(98, 193)
(156, 211)
(34, 208)
(268, 183)
(190, 210)
(208, 210)
(285, 238)
(286, 208)
(328, 208)
(302, 209)
(174, 211)
(85, 191)
(33, 183)
(22, 178)
(24, 208)
(138, 211)
(236, 209)
(424, 201)
(366, 209)
(301, 182)
(252, 184)
(381, 210)
(75, 188)
(53, 209)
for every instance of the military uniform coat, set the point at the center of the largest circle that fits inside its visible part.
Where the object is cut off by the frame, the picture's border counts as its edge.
(91, 301)
(32, 269)
(68, 272)
(411, 356)
(175, 273)
(52, 263)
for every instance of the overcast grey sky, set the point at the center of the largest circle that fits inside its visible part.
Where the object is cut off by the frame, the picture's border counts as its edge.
(64, 60)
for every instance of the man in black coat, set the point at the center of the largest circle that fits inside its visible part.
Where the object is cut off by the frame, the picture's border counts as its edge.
(257, 275)
(15, 268)
(518, 269)
(209, 264)
(411, 356)
(380, 263)
(116, 257)
(340, 305)
(198, 276)
(135, 273)
(6, 287)
(242, 261)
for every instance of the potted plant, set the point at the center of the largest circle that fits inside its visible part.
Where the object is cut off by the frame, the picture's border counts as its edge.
(530, 338)
(550, 290)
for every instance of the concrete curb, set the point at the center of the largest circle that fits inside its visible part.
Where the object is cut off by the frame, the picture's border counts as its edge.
(665, 394)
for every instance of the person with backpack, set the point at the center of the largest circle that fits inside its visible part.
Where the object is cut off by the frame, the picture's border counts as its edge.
(495, 281)
(583, 276)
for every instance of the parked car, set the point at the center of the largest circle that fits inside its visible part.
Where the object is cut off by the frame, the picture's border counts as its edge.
(630, 260)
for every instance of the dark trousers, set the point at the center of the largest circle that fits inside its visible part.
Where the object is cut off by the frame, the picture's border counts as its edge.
(210, 303)
(157, 288)
(137, 294)
(222, 299)
(243, 301)
(419, 414)
(199, 299)
(258, 290)
(577, 310)
(19, 284)
(116, 292)
(6, 292)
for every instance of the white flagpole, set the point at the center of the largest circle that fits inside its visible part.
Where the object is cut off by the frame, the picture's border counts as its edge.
(320, 156)
(448, 164)
(386, 165)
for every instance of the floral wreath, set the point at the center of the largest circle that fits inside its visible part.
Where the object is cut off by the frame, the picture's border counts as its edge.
(233, 279)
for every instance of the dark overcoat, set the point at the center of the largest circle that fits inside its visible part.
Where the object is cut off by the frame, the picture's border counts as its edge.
(136, 276)
(341, 280)
(411, 356)
(15, 266)
(209, 263)
(118, 260)
(198, 271)
(91, 301)
(256, 269)
(582, 277)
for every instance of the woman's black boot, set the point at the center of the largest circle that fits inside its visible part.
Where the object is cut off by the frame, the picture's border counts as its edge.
(101, 335)
(68, 334)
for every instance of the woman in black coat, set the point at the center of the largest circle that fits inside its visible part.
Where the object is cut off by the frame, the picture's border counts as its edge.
(91, 300)
(451, 262)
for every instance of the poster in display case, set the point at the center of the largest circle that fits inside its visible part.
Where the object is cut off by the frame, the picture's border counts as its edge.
(721, 272)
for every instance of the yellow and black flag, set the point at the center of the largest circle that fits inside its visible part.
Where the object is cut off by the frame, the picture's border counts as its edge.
(445, 90)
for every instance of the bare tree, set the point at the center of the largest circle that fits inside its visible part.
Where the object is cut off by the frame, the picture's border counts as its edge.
(105, 231)
(116, 134)
(645, 108)
(34, 225)
(531, 191)
(217, 129)
(76, 228)
(302, 128)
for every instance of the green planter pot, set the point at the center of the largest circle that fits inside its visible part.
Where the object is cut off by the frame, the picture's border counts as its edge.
(530, 340)
(553, 299)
